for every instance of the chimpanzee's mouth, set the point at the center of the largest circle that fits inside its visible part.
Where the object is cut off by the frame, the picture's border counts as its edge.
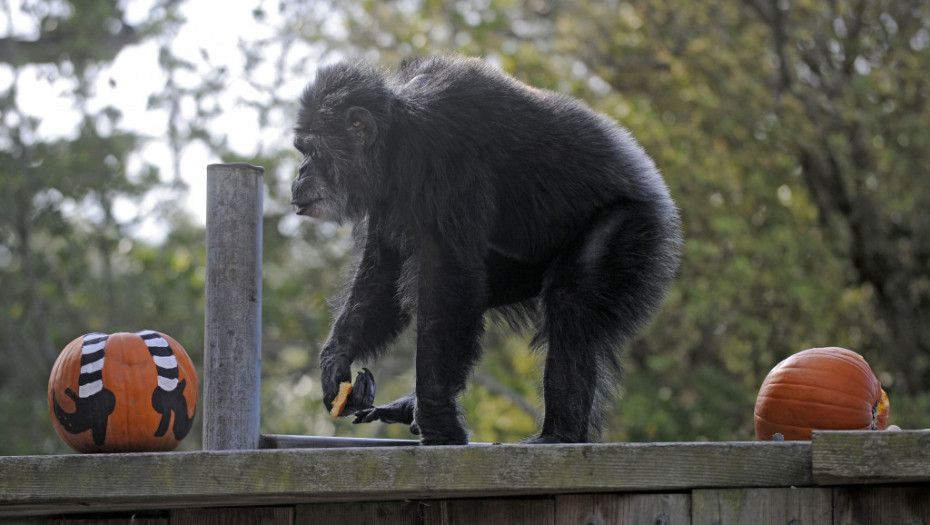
(304, 208)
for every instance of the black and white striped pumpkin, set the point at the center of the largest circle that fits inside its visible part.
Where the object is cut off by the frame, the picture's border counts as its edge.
(123, 392)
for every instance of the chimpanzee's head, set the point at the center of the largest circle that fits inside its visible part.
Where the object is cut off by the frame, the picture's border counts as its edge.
(341, 123)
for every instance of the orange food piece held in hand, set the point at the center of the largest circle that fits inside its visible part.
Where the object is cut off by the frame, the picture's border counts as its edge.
(340, 402)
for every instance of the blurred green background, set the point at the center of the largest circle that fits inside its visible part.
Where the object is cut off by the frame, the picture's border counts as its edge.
(795, 137)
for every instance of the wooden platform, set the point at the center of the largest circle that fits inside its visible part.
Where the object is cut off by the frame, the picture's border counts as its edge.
(839, 477)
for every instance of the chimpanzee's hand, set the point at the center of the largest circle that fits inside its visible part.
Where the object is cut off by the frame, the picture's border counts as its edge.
(334, 370)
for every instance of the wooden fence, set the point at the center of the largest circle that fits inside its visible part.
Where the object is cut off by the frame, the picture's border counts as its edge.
(868, 478)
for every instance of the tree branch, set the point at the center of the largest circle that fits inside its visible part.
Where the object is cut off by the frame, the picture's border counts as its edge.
(51, 48)
(503, 390)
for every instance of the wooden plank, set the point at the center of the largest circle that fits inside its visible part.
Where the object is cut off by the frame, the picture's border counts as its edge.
(55, 484)
(881, 505)
(233, 307)
(121, 519)
(361, 513)
(624, 509)
(287, 441)
(841, 458)
(22, 520)
(777, 506)
(110, 518)
(291, 441)
(234, 516)
(538, 511)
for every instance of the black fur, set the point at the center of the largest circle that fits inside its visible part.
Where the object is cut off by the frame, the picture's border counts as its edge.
(472, 192)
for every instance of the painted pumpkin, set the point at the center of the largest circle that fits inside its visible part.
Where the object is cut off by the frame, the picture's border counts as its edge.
(123, 392)
(820, 389)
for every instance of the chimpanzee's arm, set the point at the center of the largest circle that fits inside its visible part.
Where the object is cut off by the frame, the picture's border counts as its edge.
(370, 317)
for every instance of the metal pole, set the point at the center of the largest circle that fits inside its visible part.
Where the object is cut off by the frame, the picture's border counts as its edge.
(289, 441)
(232, 335)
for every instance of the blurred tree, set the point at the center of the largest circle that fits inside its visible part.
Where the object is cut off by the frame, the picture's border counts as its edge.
(67, 264)
(64, 31)
(851, 84)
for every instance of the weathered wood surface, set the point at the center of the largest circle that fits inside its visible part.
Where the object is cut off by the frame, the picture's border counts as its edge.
(103, 520)
(488, 511)
(378, 512)
(845, 505)
(55, 484)
(881, 505)
(604, 509)
(233, 295)
(236, 516)
(841, 458)
(784, 506)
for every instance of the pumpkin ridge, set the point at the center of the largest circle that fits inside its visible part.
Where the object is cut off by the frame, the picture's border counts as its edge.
(798, 387)
(808, 427)
(815, 359)
(802, 413)
(824, 404)
(810, 369)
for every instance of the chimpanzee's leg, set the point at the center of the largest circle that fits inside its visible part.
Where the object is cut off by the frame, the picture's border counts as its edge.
(509, 281)
(596, 296)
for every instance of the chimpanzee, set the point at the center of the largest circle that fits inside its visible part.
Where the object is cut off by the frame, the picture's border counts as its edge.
(471, 191)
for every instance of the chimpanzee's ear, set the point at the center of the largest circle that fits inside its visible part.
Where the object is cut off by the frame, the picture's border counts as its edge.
(362, 125)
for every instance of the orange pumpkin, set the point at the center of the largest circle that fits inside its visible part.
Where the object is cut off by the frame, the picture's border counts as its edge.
(820, 389)
(123, 392)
